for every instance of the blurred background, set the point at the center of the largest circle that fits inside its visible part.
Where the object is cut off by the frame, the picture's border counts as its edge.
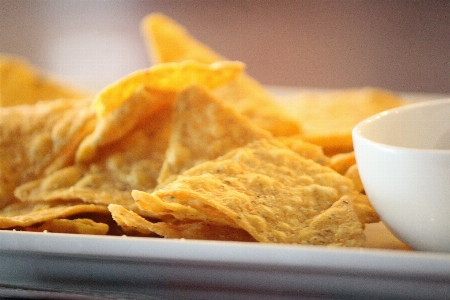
(398, 45)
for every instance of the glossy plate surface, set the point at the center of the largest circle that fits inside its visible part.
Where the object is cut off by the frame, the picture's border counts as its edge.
(125, 267)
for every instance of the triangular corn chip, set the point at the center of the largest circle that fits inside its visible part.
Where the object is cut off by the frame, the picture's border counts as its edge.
(271, 192)
(337, 226)
(328, 118)
(134, 224)
(36, 140)
(76, 226)
(204, 128)
(150, 107)
(353, 173)
(21, 83)
(170, 77)
(49, 213)
(365, 211)
(305, 149)
(163, 209)
(132, 162)
(249, 98)
(340, 162)
(168, 41)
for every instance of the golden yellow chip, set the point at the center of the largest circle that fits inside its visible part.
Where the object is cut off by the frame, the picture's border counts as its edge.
(266, 189)
(76, 226)
(337, 226)
(21, 83)
(21, 208)
(45, 214)
(152, 107)
(168, 76)
(130, 222)
(305, 149)
(327, 118)
(125, 152)
(249, 98)
(353, 173)
(132, 162)
(162, 209)
(365, 211)
(342, 161)
(204, 128)
(36, 140)
(133, 224)
(168, 41)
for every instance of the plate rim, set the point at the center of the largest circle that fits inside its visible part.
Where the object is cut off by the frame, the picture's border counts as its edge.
(377, 261)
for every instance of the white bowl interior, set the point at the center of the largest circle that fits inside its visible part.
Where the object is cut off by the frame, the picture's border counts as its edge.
(424, 125)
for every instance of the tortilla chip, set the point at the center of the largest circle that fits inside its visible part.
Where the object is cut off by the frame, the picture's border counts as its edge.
(169, 77)
(36, 140)
(328, 118)
(21, 83)
(353, 173)
(266, 189)
(53, 212)
(249, 98)
(76, 226)
(337, 226)
(162, 209)
(132, 162)
(152, 107)
(342, 161)
(133, 224)
(365, 211)
(305, 149)
(21, 208)
(130, 222)
(168, 41)
(203, 129)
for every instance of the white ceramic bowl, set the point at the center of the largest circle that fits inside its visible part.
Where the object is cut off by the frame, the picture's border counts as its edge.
(403, 157)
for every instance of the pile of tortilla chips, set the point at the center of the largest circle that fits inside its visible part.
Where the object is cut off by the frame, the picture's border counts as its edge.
(191, 147)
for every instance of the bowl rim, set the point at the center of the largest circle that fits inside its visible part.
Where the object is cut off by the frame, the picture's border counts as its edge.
(357, 129)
